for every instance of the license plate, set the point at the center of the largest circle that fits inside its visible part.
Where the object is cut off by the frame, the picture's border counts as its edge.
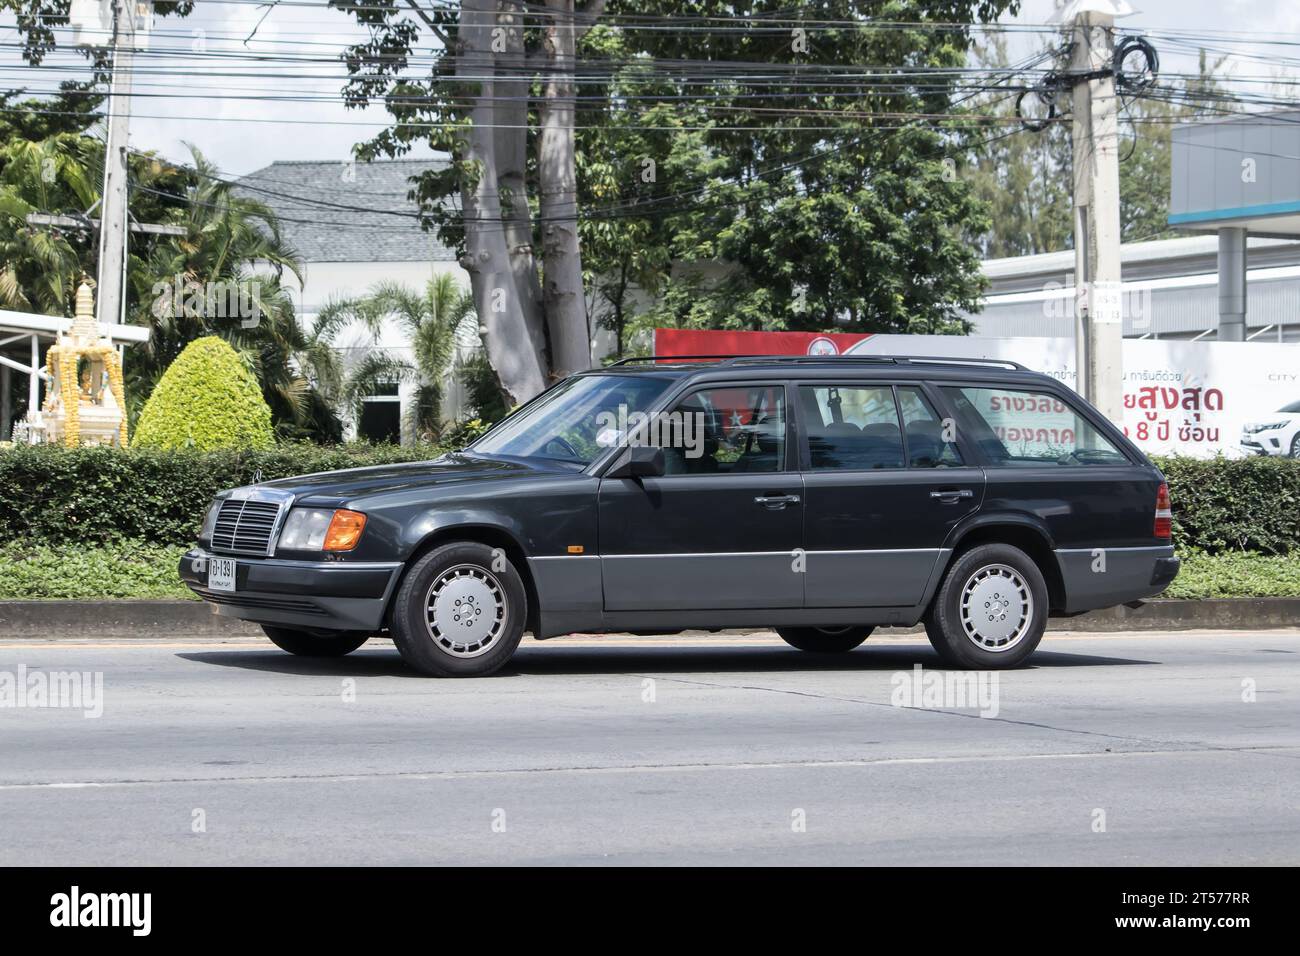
(221, 574)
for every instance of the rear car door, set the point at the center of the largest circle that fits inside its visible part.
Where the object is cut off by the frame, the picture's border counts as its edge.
(885, 482)
(720, 529)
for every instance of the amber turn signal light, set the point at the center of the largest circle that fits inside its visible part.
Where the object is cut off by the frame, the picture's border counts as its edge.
(345, 530)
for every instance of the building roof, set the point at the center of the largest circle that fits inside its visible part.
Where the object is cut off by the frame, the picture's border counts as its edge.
(348, 212)
(1155, 259)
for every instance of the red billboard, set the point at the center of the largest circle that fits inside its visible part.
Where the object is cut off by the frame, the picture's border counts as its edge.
(735, 342)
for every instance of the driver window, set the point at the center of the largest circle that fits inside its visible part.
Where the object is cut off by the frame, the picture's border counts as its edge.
(725, 430)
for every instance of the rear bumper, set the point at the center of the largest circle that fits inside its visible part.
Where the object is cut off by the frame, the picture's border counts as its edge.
(307, 594)
(1104, 577)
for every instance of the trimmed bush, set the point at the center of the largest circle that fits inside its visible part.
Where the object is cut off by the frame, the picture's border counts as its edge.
(88, 495)
(207, 399)
(128, 569)
(93, 495)
(1235, 504)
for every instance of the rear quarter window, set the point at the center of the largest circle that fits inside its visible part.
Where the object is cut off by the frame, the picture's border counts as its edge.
(1028, 427)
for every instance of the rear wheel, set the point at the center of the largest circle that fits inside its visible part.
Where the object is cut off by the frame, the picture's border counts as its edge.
(824, 640)
(460, 611)
(315, 644)
(991, 609)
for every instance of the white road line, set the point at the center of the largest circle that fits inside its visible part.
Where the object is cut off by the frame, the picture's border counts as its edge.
(641, 768)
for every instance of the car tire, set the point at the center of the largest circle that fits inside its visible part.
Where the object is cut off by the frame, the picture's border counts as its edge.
(460, 611)
(318, 644)
(991, 609)
(824, 640)
(1295, 446)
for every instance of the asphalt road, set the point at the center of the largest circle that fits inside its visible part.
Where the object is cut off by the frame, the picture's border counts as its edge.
(1111, 749)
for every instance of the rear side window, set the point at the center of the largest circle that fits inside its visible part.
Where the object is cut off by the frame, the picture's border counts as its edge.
(1021, 427)
(853, 428)
(929, 438)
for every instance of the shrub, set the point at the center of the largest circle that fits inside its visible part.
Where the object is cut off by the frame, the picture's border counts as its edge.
(1235, 504)
(129, 569)
(206, 399)
(94, 495)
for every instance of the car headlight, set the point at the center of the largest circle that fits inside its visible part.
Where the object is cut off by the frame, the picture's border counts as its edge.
(322, 529)
(1263, 427)
(210, 521)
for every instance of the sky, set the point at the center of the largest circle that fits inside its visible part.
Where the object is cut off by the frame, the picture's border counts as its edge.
(241, 134)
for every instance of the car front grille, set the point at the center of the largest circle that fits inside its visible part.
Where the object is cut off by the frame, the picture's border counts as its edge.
(245, 526)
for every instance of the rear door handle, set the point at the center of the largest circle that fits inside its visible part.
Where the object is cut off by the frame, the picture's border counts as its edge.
(950, 495)
(776, 502)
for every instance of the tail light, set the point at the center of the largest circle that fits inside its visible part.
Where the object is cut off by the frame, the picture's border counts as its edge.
(1164, 516)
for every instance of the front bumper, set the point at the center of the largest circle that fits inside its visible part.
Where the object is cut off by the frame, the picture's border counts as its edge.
(1262, 445)
(319, 595)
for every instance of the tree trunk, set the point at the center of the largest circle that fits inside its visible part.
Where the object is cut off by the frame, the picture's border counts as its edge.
(511, 323)
(562, 289)
(514, 77)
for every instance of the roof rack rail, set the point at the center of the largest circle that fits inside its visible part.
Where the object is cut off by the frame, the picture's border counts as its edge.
(953, 360)
(669, 358)
(815, 359)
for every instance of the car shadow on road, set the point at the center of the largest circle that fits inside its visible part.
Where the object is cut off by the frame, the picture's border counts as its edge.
(534, 659)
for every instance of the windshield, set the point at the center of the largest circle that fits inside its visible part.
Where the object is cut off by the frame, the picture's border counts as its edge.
(1291, 409)
(576, 420)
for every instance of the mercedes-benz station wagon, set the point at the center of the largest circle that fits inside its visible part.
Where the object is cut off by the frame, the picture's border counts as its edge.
(820, 497)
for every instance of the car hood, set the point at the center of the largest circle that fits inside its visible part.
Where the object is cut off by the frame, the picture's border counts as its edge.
(383, 479)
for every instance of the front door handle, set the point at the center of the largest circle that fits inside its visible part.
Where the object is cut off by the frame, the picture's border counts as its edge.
(951, 495)
(776, 502)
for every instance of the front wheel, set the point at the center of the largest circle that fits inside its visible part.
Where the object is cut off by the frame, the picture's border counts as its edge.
(1295, 447)
(824, 640)
(460, 611)
(991, 610)
(321, 644)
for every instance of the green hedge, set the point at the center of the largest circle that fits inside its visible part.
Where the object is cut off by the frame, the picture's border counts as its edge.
(52, 495)
(1235, 504)
(92, 495)
(127, 569)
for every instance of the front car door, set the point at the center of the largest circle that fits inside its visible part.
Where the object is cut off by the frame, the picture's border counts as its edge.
(722, 527)
(885, 483)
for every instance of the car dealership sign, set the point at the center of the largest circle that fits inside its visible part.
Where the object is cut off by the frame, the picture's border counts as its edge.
(1186, 398)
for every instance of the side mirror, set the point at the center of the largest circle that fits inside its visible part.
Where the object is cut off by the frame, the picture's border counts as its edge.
(639, 461)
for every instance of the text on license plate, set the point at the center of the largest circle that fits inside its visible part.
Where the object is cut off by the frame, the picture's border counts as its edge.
(221, 574)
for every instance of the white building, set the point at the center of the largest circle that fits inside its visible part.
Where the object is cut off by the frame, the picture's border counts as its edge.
(352, 226)
(1170, 290)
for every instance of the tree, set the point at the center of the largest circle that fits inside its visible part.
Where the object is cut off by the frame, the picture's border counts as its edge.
(39, 266)
(430, 318)
(825, 198)
(207, 399)
(224, 277)
(1025, 176)
(477, 98)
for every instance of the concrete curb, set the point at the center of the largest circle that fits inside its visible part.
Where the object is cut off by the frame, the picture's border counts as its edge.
(166, 619)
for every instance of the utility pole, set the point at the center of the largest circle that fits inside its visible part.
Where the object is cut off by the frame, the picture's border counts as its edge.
(1098, 329)
(113, 203)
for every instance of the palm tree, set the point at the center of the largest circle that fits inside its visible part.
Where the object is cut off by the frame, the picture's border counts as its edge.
(233, 244)
(429, 319)
(39, 265)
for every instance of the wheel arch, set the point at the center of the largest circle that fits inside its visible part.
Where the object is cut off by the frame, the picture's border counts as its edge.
(1023, 534)
(491, 535)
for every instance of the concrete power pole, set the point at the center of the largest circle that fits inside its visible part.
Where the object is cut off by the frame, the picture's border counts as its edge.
(1098, 330)
(111, 281)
